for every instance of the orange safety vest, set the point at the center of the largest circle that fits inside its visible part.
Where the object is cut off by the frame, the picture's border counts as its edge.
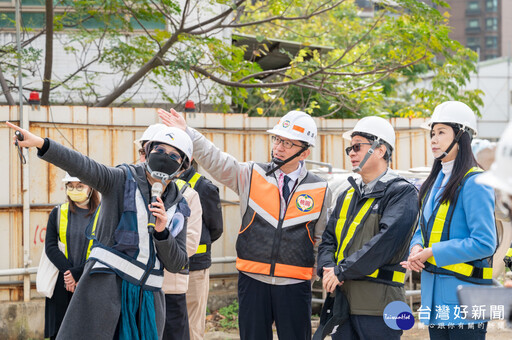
(279, 246)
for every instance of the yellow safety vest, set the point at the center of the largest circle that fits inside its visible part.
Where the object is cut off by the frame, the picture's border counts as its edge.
(348, 231)
(202, 248)
(509, 253)
(508, 258)
(439, 232)
(63, 227)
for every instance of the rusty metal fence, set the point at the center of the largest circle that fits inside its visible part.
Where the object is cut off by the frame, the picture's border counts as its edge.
(106, 135)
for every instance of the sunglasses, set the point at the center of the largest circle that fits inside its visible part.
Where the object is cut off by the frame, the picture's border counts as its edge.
(173, 154)
(356, 147)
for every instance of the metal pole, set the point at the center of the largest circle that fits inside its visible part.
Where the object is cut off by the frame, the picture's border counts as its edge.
(24, 123)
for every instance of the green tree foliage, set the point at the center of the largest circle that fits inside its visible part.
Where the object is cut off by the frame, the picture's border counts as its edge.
(368, 66)
(398, 62)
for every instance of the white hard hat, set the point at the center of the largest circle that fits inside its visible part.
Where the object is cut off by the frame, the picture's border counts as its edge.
(177, 138)
(296, 125)
(149, 133)
(375, 126)
(453, 112)
(68, 178)
(500, 174)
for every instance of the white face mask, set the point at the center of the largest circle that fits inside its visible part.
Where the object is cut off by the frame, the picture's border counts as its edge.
(78, 196)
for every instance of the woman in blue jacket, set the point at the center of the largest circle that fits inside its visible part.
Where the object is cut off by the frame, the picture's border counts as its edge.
(456, 237)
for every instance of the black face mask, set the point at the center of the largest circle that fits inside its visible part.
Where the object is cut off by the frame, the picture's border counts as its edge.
(163, 164)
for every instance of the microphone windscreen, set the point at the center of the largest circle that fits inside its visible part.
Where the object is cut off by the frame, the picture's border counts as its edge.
(156, 189)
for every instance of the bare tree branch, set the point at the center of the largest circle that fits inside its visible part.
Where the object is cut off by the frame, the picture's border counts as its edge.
(5, 89)
(155, 61)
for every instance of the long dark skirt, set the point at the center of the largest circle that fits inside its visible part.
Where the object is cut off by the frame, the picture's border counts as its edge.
(55, 308)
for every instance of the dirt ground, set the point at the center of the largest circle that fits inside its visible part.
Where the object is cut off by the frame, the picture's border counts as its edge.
(496, 331)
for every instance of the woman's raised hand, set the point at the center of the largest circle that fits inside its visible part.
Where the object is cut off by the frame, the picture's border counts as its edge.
(29, 139)
(172, 118)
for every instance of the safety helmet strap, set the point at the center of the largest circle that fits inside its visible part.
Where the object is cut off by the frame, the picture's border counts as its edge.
(455, 141)
(161, 175)
(375, 144)
(279, 163)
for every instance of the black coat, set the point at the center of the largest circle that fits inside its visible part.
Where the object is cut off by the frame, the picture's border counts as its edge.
(55, 308)
(212, 218)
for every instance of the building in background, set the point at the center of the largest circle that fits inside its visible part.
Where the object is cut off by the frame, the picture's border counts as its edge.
(485, 26)
(494, 78)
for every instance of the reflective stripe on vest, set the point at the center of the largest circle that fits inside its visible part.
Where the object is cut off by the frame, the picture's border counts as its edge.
(509, 252)
(388, 275)
(202, 248)
(262, 225)
(180, 183)
(193, 180)
(63, 227)
(438, 231)
(126, 268)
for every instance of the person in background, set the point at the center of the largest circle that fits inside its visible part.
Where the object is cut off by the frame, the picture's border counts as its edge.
(456, 237)
(67, 224)
(146, 137)
(500, 178)
(200, 262)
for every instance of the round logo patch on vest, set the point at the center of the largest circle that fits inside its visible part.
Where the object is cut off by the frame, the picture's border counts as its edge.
(286, 123)
(305, 203)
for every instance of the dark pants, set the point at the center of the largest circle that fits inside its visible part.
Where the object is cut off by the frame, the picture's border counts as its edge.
(260, 304)
(366, 327)
(176, 317)
(457, 333)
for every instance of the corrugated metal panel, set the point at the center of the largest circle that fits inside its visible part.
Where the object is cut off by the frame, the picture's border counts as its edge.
(5, 239)
(107, 134)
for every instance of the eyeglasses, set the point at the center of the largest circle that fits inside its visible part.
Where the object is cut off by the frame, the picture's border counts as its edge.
(173, 154)
(78, 187)
(286, 143)
(356, 147)
(142, 152)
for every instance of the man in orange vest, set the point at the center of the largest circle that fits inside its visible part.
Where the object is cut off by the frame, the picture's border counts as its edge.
(284, 210)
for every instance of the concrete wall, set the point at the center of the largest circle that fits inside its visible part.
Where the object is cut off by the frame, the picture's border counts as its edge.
(22, 320)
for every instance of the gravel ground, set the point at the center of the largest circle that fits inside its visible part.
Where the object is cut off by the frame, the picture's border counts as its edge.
(496, 331)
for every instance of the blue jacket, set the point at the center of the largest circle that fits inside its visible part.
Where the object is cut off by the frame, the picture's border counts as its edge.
(472, 237)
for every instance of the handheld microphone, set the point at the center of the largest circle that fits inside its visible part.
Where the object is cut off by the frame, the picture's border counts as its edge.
(156, 191)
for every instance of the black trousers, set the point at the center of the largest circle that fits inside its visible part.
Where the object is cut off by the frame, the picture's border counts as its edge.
(366, 327)
(176, 317)
(260, 304)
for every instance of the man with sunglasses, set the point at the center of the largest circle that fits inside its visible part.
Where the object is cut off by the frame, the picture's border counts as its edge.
(284, 210)
(368, 234)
